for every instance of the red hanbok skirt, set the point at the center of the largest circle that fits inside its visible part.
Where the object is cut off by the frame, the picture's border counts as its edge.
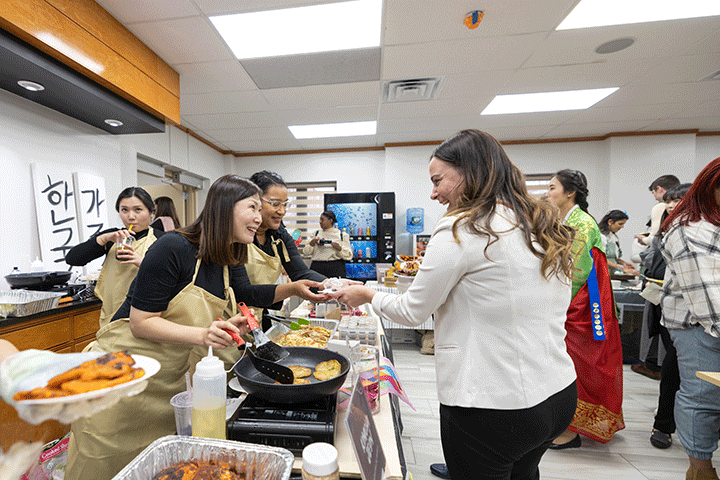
(598, 363)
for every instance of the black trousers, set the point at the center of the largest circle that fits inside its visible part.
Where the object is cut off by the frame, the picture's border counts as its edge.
(669, 385)
(481, 443)
(332, 268)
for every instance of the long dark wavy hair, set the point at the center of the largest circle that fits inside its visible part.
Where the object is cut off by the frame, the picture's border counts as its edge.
(212, 231)
(490, 177)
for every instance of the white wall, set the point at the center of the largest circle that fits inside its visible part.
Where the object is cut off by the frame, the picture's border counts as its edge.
(618, 170)
(32, 133)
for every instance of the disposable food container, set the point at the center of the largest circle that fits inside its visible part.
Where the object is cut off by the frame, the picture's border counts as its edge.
(279, 329)
(255, 462)
(361, 328)
(21, 303)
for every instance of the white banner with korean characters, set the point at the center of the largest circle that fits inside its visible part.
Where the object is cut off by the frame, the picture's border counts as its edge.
(92, 210)
(56, 213)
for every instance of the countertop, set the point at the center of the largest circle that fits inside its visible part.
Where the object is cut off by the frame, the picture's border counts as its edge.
(64, 308)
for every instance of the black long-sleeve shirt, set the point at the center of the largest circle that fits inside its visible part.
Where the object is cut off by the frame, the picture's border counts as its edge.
(87, 251)
(168, 267)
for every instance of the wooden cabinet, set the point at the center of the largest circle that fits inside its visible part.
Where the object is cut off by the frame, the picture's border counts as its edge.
(65, 331)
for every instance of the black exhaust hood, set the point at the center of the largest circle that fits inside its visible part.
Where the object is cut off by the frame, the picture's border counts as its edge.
(68, 91)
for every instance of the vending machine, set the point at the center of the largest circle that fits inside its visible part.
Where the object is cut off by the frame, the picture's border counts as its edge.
(369, 220)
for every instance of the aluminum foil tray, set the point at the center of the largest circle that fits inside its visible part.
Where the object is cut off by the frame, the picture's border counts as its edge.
(280, 329)
(256, 462)
(21, 303)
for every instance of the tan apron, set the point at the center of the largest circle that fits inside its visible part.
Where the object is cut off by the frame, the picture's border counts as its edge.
(100, 446)
(262, 269)
(115, 278)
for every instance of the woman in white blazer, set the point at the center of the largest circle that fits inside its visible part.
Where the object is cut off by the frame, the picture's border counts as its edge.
(495, 275)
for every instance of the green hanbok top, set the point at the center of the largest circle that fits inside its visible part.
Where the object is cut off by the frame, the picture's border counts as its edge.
(587, 236)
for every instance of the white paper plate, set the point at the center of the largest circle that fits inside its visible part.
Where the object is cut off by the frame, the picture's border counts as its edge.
(150, 365)
(69, 408)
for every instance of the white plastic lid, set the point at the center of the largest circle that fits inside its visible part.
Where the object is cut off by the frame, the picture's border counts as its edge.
(210, 366)
(320, 459)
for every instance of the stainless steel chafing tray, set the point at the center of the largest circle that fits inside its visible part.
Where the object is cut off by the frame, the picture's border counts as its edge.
(255, 462)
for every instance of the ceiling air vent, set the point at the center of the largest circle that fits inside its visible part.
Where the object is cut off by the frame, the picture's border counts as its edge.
(411, 90)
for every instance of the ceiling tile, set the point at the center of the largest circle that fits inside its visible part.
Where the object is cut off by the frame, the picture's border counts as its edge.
(344, 66)
(233, 135)
(698, 92)
(130, 11)
(184, 40)
(655, 39)
(636, 112)
(686, 68)
(710, 44)
(221, 76)
(222, 102)
(418, 21)
(223, 7)
(456, 57)
(596, 129)
(360, 113)
(321, 96)
(341, 142)
(274, 145)
(575, 77)
(708, 124)
(219, 121)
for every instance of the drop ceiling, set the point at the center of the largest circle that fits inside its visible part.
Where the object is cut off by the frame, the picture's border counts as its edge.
(662, 78)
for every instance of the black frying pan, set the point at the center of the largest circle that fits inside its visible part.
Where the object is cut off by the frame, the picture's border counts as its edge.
(265, 388)
(37, 279)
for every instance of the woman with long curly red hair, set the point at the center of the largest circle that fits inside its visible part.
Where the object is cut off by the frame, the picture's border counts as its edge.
(691, 312)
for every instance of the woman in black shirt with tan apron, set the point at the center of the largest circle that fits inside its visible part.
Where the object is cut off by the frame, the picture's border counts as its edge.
(135, 207)
(188, 279)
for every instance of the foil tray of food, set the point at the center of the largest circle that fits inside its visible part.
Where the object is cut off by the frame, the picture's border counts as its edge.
(21, 303)
(196, 457)
(316, 333)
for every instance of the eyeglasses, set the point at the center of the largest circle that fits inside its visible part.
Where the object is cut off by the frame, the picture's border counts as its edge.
(277, 203)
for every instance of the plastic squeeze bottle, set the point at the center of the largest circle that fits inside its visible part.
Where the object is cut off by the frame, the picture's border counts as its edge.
(209, 394)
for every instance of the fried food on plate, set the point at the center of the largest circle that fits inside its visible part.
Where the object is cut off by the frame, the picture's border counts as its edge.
(106, 371)
(306, 336)
(299, 371)
(327, 370)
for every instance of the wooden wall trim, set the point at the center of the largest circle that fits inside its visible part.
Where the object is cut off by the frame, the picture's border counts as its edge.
(505, 142)
(307, 152)
(80, 34)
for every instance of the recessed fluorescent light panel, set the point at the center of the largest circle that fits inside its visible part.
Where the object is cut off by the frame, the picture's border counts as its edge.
(546, 101)
(599, 13)
(351, 129)
(312, 29)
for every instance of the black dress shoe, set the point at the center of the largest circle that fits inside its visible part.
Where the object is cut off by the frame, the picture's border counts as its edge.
(439, 470)
(574, 443)
(660, 439)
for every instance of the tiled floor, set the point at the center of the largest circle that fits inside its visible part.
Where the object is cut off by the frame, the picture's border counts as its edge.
(629, 456)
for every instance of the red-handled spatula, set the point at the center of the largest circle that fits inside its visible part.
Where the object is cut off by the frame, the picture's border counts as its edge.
(264, 347)
(277, 372)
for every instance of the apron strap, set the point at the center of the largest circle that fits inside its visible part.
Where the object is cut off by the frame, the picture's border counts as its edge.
(275, 243)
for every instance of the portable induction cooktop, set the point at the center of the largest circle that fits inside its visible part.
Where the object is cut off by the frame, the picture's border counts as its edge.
(290, 426)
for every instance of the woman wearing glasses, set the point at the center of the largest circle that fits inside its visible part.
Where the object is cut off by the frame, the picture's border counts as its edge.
(274, 248)
(593, 335)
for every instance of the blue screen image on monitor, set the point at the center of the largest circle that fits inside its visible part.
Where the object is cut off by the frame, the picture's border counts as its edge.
(361, 270)
(356, 218)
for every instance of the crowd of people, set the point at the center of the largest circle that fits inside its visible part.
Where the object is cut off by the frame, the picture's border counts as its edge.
(514, 380)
